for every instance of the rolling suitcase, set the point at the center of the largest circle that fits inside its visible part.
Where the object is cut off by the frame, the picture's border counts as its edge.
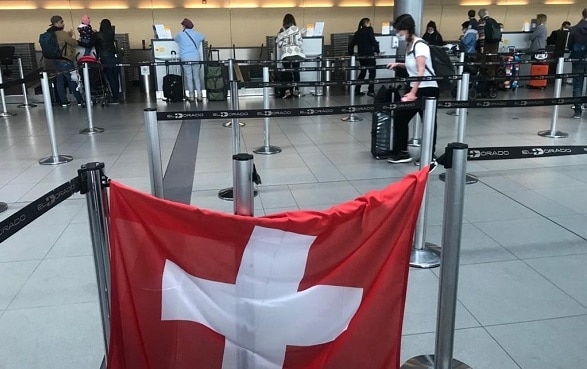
(215, 78)
(538, 70)
(173, 85)
(382, 124)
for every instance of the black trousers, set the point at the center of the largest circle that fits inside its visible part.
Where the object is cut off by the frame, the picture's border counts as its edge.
(372, 72)
(402, 119)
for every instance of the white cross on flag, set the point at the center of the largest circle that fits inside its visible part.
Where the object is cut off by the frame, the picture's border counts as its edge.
(195, 289)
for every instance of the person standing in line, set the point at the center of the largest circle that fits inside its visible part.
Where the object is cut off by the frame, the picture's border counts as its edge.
(418, 63)
(472, 20)
(432, 36)
(367, 47)
(189, 42)
(86, 34)
(66, 64)
(558, 39)
(290, 43)
(469, 38)
(108, 56)
(578, 46)
(539, 35)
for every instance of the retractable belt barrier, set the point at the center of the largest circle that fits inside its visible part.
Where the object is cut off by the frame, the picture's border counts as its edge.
(40, 206)
(523, 152)
(337, 110)
(29, 77)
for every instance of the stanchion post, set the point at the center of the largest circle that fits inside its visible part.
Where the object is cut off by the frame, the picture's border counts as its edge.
(55, 158)
(242, 177)
(460, 84)
(233, 97)
(552, 132)
(88, 96)
(456, 155)
(352, 117)
(94, 185)
(25, 102)
(266, 149)
(154, 152)
(461, 127)
(425, 254)
(318, 90)
(4, 112)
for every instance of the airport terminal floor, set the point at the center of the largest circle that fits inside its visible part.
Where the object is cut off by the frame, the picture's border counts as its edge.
(522, 301)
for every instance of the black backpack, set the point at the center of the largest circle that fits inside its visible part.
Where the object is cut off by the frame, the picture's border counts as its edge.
(441, 63)
(50, 46)
(492, 31)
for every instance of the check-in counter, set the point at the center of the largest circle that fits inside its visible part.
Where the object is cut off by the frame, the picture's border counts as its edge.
(387, 48)
(168, 50)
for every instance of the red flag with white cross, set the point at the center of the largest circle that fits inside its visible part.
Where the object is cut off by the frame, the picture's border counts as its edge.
(193, 288)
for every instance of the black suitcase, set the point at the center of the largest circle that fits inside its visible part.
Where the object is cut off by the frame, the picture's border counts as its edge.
(173, 86)
(382, 124)
(215, 78)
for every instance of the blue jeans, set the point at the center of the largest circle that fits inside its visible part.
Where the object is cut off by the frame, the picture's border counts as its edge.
(63, 68)
(111, 71)
(578, 67)
(191, 75)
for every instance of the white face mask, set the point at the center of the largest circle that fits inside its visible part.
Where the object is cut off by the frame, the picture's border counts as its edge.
(401, 37)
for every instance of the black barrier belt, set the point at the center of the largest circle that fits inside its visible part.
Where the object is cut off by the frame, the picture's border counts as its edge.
(289, 112)
(509, 103)
(29, 77)
(35, 209)
(523, 152)
(338, 110)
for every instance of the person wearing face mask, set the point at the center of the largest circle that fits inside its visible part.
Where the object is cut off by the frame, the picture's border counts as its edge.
(432, 36)
(418, 64)
(367, 46)
(538, 36)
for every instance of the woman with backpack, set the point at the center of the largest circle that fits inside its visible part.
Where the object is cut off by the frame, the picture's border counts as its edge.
(418, 64)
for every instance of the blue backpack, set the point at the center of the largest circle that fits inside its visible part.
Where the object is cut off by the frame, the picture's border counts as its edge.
(49, 45)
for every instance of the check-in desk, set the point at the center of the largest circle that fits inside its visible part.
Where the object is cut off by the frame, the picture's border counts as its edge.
(168, 50)
(387, 49)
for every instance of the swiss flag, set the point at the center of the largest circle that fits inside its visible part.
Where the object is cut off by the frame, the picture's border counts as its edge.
(193, 288)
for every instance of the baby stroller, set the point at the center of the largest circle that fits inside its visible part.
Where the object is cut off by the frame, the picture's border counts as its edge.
(477, 89)
(99, 88)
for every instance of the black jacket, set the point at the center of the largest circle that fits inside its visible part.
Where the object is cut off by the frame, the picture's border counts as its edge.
(105, 44)
(434, 38)
(578, 35)
(365, 41)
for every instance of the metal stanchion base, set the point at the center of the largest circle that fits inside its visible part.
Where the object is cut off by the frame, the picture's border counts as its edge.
(229, 124)
(553, 134)
(3, 206)
(427, 362)
(228, 194)
(351, 118)
(29, 105)
(54, 160)
(7, 114)
(318, 93)
(267, 150)
(428, 257)
(91, 131)
(469, 178)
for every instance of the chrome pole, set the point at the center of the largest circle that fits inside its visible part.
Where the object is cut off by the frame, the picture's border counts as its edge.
(242, 176)
(154, 152)
(552, 132)
(25, 97)
(266, 149)
(55, 158)
(98, 212)
(88, 96)
(352, 117)
(451, 239)
(233, 96)
(4, 112)
(425, 254)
